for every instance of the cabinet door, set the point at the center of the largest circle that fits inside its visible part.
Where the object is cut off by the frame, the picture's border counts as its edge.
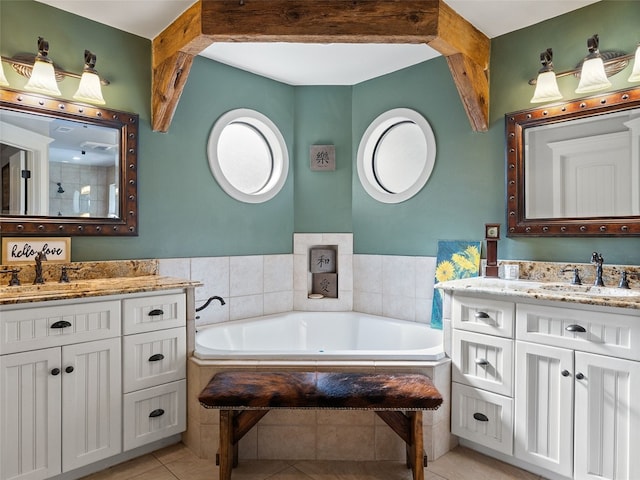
(544, 407)
(30, 415)
(607, 429)
(91, 407)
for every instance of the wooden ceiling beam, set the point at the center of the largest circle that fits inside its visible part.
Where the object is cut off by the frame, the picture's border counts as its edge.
(321, 21)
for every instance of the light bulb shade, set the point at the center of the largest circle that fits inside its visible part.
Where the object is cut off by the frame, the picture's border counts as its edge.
(89, 89)
(593, 77)
(635, 74)
(43, 78)
(546, 88)
(3, 80)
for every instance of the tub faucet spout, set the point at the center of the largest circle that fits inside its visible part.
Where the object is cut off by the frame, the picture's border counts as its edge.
(597, 260)
(211, 299)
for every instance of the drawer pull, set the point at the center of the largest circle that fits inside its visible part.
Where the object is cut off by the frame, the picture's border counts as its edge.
(156, 312)
(60, 324)
(565, 373)
(156, 413)
(156, 357)
(482, 362)
(55, 371)
(482, 315)
(575, 328)
(481, 417)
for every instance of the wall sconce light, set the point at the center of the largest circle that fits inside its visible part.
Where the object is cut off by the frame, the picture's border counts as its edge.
(546, 84)
(593, 71)
(593, 77)
(43, 74)
(89, 89)
(3, 80)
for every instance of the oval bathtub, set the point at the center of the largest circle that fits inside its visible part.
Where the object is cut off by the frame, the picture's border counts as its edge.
(318, 336)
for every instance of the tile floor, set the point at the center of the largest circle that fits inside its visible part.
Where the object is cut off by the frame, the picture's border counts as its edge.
(179, 463)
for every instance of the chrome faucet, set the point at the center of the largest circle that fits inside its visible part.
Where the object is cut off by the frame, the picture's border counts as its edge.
(597, 260)
(40, 257)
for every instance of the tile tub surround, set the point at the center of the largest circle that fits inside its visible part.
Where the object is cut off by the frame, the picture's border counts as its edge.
(318, 434)
(395, 286)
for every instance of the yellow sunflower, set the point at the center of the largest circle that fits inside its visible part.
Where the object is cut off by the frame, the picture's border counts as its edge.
(462, 262)
(445, 271)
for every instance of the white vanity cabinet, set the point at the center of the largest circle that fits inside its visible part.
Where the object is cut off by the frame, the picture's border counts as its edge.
(482, 389)
(559, 395)
(74, 390)
(154, 344)
(60, 404)
(577, 412)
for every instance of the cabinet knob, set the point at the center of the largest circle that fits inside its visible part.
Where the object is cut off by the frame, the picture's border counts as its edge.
(565, 373)
(575, 328)
(579, 376)
(60, 324)
(156, 413)
(156, 312)
(481, 417)
(69, 369)
(156, 357)
(55, 371)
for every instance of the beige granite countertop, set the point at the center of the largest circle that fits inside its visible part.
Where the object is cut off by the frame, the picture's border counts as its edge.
(90, 288)
(552, 291)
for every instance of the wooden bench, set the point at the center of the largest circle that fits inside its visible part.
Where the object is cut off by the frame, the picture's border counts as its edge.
(244, 397)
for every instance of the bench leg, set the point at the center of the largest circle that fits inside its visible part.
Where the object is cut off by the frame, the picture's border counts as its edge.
(415, 449)
(226, 444)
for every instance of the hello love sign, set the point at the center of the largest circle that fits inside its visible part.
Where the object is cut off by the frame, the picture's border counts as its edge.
(24, 250)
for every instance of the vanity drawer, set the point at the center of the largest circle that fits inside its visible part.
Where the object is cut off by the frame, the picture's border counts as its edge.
(483, 361)
(146, 314)
(52, 326)
(601, 332)
(154, 413)
(482, 315)
(153, 358)
(482, 417)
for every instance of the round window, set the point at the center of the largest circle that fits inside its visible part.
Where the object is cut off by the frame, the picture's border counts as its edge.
(248, 156)
(396, 155)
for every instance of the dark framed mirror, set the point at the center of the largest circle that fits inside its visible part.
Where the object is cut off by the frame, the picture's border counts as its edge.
(573, 168)
(66, 168)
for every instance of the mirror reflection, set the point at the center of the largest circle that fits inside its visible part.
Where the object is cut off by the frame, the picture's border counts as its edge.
(57, 167)
(588, 167)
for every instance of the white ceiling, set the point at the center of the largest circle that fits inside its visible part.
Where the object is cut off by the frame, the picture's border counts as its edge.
(313, 64)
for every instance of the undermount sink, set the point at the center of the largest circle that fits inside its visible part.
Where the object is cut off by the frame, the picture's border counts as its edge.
(44, 288)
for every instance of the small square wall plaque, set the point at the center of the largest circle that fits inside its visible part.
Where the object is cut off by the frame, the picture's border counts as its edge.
(326, 284)
(322, 158)
(322, 260)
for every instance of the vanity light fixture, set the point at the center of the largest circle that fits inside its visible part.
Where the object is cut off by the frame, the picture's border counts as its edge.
(89, 89)
(593, 77)
(3, 79)
(546, 85)
(593, 71)
(635, 74)
(43, 74)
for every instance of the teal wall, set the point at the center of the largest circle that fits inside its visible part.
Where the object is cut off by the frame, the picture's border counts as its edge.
(184, 213)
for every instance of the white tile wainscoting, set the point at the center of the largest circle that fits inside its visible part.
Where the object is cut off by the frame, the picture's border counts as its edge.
(389, 285)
